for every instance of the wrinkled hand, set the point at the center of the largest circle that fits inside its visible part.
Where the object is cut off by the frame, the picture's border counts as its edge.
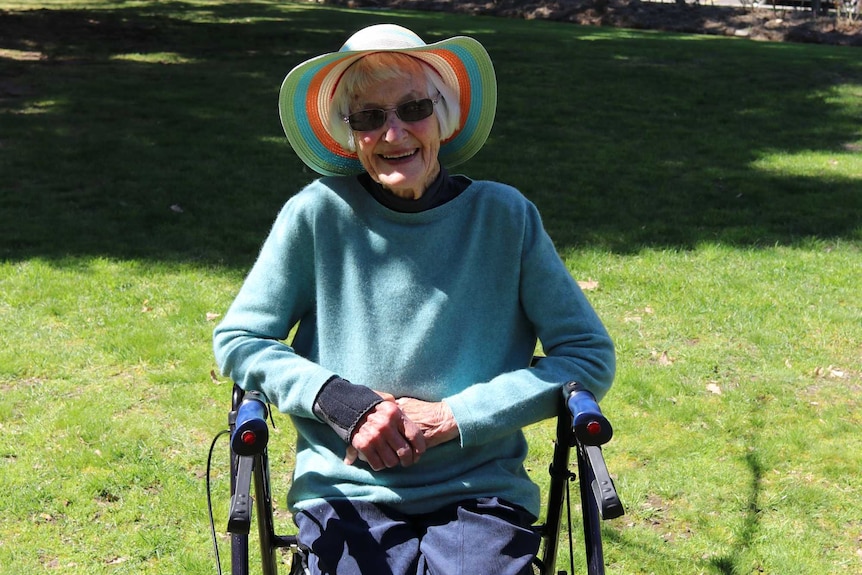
(385, 437)
(434, 418)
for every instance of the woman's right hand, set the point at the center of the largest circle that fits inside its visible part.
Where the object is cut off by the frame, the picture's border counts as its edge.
(386, 438)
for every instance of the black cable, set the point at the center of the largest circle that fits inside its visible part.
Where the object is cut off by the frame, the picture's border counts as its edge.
(569, 513)
(210, 501)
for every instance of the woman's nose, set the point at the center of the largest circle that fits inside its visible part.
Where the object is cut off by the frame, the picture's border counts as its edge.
(394, 126)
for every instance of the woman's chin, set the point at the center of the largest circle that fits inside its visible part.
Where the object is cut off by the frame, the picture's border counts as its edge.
(401, 185)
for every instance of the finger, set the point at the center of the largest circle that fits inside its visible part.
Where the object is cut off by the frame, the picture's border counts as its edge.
(415, 439)
(404, 452)
(389, 454)
(351, 455)
(410, 442)
(373, 449)
(375, 461)
(391, 450)
(371, 458)
(383, 457)
(390, 461)
(407, 455)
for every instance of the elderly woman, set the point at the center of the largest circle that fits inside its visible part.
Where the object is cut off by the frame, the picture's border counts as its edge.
(418, 297)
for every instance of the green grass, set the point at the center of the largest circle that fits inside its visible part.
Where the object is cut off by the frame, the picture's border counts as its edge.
(710, 186)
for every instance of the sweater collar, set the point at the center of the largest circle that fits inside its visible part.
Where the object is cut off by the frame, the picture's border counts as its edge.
(441, 190)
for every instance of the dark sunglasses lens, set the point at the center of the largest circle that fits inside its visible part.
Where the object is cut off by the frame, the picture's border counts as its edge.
(415, 110)
(367, 120)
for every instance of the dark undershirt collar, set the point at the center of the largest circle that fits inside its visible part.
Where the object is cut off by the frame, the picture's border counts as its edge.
(443, 189)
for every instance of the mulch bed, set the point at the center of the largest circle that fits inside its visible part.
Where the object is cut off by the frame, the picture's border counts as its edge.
(780, 24)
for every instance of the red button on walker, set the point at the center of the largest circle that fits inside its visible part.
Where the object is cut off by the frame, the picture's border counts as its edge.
(594, 428)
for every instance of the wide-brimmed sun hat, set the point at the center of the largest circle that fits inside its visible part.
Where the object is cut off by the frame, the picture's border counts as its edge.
(306, 94)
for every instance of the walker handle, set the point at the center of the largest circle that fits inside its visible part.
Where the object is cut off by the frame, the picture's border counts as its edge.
(251, 433)
(589, 425)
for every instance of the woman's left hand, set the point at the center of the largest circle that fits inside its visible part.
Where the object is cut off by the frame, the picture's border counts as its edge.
(434, 418)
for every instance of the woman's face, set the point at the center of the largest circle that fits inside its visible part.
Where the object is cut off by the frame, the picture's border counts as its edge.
(401, 156)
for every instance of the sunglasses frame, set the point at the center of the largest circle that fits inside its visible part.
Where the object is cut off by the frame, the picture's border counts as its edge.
(397, 109)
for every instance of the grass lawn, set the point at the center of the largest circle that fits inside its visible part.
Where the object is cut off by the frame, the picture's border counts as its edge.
(709, 190)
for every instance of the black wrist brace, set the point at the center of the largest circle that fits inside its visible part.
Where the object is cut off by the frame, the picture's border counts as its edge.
(341, 405)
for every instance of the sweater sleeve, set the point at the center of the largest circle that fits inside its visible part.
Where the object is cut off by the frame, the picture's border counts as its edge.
(577, 346)
(277, 293)
(574, 339)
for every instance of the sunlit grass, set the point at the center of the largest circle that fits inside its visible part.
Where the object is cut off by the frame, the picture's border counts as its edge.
(155, 58)
(843, 164)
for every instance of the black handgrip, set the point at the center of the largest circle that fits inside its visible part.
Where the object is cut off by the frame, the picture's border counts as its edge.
(251, 433)
(604, 490)
(239, 520)
(590, 426)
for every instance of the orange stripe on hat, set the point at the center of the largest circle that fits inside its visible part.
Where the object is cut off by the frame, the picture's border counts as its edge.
(463, 87)
(314, 119)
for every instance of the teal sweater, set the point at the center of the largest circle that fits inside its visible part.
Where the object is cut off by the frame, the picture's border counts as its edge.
(445, 304)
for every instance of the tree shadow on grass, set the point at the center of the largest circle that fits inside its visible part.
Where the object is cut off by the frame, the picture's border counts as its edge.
(746, 534)
(652, 540)
(152, 132)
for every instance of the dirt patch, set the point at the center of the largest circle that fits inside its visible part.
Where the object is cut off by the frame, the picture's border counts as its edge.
(772, 24)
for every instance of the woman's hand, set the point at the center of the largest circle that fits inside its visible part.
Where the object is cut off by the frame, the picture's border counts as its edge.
(434, 418)
(385, 437)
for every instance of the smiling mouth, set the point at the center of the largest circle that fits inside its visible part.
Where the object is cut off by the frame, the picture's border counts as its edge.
(397, 157)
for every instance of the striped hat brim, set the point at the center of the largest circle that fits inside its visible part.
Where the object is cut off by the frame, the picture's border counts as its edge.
(307, 90)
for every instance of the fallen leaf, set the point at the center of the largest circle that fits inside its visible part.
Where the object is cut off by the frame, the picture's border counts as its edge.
(145, 307)
(663, 358)
(588, 285)
(713, 388)
(835, 372)
(177, 209)
(116, 560)
(830, 371)
(214, 377)
(211, 316)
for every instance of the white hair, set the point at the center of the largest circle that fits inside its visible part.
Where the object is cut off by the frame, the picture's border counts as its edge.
(381, 66)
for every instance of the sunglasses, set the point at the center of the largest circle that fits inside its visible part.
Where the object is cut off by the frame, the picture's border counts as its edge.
(374, 118)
